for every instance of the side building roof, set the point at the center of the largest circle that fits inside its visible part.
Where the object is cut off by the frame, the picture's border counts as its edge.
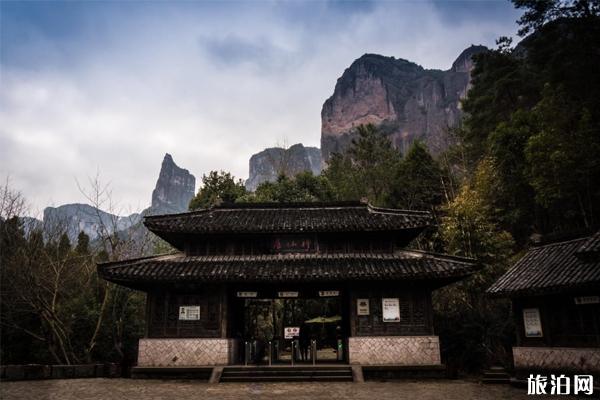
(551, 268)
(288, 268)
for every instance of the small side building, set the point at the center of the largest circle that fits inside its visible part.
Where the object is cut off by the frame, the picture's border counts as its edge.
(555, 294)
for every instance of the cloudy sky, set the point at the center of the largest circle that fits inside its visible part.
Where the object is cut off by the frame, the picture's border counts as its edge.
(112, 86)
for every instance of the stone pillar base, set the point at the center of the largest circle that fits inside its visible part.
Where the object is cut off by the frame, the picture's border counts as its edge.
(557, 358)
(394, 350)
(186, 352)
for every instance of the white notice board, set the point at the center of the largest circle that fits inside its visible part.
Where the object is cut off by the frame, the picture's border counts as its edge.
(532, 322)
(391, 309)
(290, 332)
(189, 313)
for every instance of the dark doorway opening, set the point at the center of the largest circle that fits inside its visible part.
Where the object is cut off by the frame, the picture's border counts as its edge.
(293, 330)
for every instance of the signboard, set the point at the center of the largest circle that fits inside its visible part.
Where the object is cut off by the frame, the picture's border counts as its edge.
(247, 294)
(362, 307)
(329, 293)
(391, 309)
(587, 300)
(189, 313)
(290, 332)
(287, 294)
(532, 322)
(294, 244)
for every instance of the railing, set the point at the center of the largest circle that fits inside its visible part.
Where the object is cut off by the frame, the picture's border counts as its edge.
(252, 349)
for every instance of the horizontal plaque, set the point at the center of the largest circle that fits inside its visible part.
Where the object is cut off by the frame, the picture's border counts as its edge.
(329, 293)
(287, 294)
(247, 294)
(587, 300)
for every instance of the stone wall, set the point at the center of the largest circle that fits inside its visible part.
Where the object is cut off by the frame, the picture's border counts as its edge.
(396, 350)
(562, 358)
(186, 352)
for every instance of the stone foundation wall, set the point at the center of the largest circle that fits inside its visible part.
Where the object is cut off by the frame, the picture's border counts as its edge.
(186, 352)
(397, 350)
(557, 358)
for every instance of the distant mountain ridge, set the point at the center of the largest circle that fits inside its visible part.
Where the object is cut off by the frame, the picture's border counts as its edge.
(174, 189)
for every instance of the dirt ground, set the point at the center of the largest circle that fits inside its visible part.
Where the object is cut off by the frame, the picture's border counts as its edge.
(133, 389)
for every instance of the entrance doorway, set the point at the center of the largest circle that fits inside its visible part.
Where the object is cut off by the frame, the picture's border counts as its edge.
(293, 330)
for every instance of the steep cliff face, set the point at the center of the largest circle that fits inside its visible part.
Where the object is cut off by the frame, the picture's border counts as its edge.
(404, 100)
(269, 163)
(174, 188)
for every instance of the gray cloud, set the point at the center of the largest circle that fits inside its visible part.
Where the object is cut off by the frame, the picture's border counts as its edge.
(211, 86)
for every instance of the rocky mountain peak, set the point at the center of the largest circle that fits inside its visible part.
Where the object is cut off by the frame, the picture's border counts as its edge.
(404, 100)
(269, 163)
(464, 62)
(174, 189)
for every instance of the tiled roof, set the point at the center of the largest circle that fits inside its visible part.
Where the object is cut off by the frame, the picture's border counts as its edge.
(292, 217)
(549, 269)
(407, 265)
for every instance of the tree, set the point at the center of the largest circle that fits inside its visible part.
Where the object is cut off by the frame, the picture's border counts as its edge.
(417, 184)
(304, 187)
(218, 187)
(475, 330)
(366, 169)
(539, 12)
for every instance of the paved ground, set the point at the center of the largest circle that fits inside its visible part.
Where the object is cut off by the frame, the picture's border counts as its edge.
(132, 389)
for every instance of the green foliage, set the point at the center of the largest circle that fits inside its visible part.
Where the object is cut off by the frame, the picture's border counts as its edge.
(54, 308)
(217, 187)
(540, 12)
(418, 181)
(304, 187)
(475, 330)
(366, 169)
(535, 112)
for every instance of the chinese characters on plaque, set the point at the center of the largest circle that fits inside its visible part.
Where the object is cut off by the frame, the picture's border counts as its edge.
(532, 322)
(189, 313)
(391, 309)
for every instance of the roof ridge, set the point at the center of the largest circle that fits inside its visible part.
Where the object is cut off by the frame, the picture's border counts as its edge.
(155, 256)
(562, 242)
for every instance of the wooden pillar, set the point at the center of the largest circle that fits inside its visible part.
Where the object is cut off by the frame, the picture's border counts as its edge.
(224, 310)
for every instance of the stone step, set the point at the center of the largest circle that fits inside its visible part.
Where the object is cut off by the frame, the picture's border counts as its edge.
(287, 373)
(328, 378)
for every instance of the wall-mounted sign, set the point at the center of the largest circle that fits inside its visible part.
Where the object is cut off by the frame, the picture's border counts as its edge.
(247, 294)
(362, 307)
(189, 313)
(290, 332)
(391, 309)
(294, 244)
(287, 294)
(532, 322)
(329, 293)
(587, 300)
